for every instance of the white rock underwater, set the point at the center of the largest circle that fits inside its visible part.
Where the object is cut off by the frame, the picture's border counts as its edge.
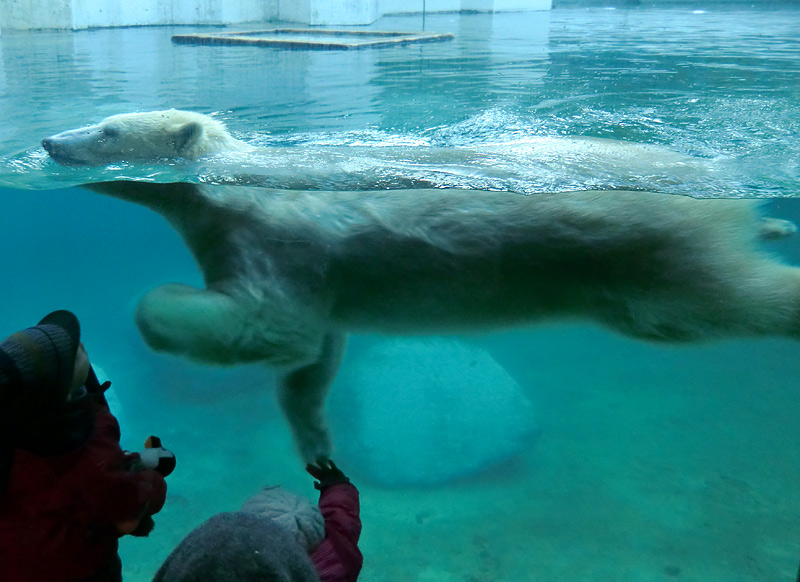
(415, 412)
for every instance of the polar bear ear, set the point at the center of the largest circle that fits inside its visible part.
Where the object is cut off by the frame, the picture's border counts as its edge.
(186, 136)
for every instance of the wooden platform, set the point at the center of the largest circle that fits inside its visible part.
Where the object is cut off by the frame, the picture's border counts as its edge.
(314, 39)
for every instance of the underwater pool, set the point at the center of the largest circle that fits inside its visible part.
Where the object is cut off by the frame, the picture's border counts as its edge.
(652, 463)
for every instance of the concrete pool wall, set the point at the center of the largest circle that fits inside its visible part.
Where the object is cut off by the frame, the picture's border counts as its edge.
(81, 14)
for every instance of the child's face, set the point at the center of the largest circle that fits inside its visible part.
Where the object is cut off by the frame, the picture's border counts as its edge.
(80, 372)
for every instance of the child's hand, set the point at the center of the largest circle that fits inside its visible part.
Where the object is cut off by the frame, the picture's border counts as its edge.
(156, 457)
(327, 473)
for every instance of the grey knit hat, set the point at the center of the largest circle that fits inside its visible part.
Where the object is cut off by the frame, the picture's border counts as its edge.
(237, 547)
(293, 512)
(37, 363)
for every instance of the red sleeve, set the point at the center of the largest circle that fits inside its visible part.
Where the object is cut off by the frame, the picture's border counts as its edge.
(117, 493)
(337, 558)
(124, 495)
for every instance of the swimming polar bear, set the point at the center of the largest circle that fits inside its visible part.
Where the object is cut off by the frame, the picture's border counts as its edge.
(288, 274)
(143, 137)
(524, 165)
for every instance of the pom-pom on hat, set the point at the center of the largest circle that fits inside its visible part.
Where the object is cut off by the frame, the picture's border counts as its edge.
(294, 513)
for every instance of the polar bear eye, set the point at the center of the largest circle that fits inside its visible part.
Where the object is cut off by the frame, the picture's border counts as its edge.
(110, 132)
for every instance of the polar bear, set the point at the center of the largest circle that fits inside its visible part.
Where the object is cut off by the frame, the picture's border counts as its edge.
(288, 274)
(175, 135)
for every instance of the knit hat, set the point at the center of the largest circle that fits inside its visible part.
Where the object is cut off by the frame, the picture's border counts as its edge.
(237, 547)
(295, 513)
(38, 362)
(36, 371)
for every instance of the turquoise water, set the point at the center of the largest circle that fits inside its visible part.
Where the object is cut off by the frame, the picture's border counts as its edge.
(654, 463)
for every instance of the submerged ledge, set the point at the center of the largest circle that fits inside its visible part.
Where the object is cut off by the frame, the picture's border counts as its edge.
(304, 38)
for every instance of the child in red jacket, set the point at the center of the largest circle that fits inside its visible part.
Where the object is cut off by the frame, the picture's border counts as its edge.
(67, 490)
(278, 536)
(337, 557)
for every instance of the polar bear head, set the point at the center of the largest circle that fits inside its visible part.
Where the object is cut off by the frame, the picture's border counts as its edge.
(139, 137)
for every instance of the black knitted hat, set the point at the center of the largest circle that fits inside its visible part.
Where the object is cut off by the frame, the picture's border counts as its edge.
(36, 370)
(37, 363)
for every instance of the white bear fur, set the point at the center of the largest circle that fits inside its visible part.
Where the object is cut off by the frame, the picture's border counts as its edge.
(288, 273)
(135, 137)
(174, 135)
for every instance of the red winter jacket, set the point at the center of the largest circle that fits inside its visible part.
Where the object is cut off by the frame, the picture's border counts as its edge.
(337, 558)
(58, 513)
